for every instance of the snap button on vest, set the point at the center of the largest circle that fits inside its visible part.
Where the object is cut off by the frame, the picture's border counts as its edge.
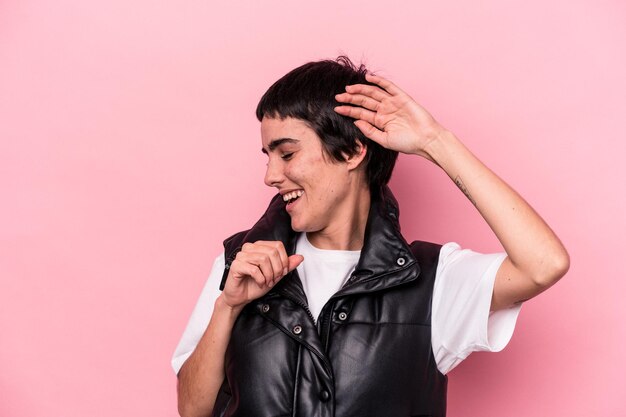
(343, 316)
(324, 396)
(297, 329)
(265, 308)
(401, 261)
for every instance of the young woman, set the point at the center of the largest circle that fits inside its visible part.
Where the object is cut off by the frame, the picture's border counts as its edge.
(326, 310)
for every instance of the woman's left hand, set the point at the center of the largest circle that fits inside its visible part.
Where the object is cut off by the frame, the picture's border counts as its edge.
(389, 116)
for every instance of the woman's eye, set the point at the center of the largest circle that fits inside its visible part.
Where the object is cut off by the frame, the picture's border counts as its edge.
(287, 156)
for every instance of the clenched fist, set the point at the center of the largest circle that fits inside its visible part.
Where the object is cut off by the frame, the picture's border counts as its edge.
(255, 270)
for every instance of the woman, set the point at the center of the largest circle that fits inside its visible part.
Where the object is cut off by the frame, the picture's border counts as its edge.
(326, 309)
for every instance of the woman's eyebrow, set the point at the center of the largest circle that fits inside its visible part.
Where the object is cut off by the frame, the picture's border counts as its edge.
(277, 142)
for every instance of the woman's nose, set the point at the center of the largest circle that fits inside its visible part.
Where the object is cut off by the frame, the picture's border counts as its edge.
(273, 174)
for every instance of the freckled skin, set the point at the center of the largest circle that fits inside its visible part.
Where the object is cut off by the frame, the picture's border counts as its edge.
(331, 188)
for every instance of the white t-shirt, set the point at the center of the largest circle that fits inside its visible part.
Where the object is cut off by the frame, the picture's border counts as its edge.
(461, 322)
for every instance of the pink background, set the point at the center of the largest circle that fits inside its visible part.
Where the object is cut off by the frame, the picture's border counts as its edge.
(129, 149)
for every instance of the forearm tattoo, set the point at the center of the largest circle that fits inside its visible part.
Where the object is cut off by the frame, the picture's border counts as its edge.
(464, 189)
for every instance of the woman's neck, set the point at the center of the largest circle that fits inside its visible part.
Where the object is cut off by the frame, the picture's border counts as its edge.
(348, 233)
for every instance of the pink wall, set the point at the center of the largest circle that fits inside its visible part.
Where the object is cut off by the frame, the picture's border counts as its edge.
(129, 150)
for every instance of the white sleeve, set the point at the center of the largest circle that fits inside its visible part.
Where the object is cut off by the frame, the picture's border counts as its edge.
(461, 320)
(201, 315)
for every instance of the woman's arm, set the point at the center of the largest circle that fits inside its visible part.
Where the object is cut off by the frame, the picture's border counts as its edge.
(255, 270)
(536, 257)
(201, 376)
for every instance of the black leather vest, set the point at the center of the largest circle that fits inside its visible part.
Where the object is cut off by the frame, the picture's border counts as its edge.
(370, 352)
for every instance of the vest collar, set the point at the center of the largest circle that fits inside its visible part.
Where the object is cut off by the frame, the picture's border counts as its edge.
(386, 259)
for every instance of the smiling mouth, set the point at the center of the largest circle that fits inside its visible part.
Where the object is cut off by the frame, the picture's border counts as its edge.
(289, 198)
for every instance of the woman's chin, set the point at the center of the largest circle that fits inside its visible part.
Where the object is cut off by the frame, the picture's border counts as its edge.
(296, 227)
(299, 226)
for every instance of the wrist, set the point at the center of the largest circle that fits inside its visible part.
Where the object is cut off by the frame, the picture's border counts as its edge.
(440, 145)
(222, 305)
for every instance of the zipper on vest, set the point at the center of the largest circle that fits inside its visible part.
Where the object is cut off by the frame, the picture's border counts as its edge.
(323, 358)
(325, 327)
(301, 304)
(308, 311)
(227, 263)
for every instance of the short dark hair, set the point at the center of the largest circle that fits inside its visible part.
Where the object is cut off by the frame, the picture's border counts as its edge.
(308, 93)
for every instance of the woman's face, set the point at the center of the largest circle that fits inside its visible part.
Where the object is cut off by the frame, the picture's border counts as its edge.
(315, 187)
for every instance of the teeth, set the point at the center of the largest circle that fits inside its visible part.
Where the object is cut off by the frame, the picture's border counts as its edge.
(292, 195)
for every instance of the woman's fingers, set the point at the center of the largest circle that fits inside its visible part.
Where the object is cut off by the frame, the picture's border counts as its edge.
(372, 132)
(384, 83)
(242, 269)
(277, 255)
(365, 121)
(367, 103)
(367, 90)
(358, 113)
(261, 262)
(294, 261)
(256, 269)
(269, 256)
(358, 100)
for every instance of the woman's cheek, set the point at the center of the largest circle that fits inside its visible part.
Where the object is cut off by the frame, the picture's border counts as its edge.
(293, 173)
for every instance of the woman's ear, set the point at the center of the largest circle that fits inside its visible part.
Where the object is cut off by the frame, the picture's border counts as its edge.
(355, 160)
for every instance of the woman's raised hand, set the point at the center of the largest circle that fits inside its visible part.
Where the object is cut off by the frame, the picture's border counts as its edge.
(389, 116)
(255, 270)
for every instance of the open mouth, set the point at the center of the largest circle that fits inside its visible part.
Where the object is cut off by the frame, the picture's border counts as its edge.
(289, 198)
